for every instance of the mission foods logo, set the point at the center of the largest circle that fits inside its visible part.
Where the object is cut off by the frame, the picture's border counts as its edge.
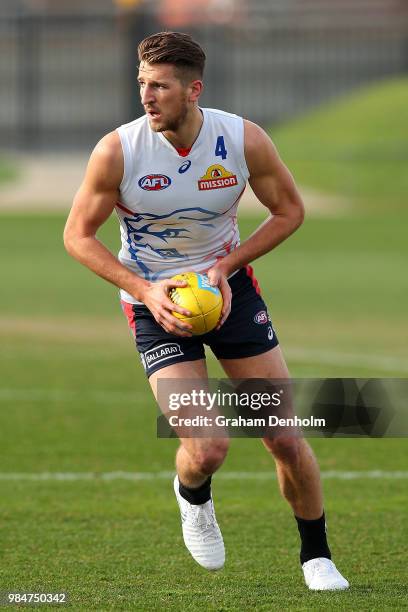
(217, 177)
(154, 182)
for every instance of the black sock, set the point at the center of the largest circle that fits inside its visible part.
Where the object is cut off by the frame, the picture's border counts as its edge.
(313, 538)
(197, 496)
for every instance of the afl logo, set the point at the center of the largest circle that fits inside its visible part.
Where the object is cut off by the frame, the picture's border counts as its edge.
(154, 182)
(261, 317)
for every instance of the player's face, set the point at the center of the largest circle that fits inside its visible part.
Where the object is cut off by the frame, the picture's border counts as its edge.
(164, 97)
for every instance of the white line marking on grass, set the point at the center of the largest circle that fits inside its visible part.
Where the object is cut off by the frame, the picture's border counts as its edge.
(379, 362)
(384, 363)
(150, 476)
(102, 396)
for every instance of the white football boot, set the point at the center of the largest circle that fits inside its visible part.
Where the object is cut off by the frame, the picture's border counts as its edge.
(201, 533)
(322, 575)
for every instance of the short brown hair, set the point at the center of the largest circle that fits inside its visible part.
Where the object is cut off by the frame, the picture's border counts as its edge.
(174, 48)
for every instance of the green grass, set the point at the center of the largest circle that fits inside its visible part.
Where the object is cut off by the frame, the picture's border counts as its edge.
(118, 546)
(337, 284)
(356, 147)
(8, 170)
(74, 399)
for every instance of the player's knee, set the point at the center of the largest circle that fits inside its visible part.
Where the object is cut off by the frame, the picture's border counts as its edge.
(284, 448)
(210, 459)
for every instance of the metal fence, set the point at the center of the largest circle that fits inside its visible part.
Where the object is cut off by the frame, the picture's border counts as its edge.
(65, 80)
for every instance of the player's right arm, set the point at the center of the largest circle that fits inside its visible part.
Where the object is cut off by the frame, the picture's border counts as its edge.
(92, 206)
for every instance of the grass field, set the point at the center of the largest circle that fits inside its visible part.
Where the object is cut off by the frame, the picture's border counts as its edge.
(8, 170)
(356, 146)
(74, 400)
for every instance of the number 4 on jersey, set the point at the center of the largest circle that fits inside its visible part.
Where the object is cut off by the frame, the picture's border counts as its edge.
(220, 150)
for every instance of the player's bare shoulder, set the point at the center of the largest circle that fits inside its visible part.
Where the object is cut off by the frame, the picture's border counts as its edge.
(99, 190)
(269, 178)
(260, 152)
(105, 167)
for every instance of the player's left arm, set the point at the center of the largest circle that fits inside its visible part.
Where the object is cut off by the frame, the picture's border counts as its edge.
(275, 188)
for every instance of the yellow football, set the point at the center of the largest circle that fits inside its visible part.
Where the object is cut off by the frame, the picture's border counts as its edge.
(200, 298)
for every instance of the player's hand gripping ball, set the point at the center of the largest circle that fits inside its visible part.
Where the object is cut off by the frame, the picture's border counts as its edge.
(200, 298)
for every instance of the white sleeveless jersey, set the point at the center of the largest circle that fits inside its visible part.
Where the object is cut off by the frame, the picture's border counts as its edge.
(180, 213)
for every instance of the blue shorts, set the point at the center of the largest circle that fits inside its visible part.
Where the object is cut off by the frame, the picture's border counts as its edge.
(248, 330)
